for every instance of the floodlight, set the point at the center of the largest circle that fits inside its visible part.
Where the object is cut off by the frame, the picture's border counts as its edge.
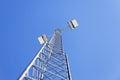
(73, 24)
(42, 39)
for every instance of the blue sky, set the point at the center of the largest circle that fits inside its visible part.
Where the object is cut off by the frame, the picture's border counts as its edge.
(93, 48)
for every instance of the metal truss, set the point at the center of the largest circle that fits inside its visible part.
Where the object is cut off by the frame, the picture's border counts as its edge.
(50, 63)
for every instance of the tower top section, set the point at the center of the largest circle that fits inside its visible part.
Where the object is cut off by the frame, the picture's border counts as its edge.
(72, 24)
(58, 31)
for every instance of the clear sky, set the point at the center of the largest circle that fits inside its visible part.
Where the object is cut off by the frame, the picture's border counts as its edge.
(93, 48)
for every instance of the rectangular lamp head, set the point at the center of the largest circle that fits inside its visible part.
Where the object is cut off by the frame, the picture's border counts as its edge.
(42, 39)
(73, 24)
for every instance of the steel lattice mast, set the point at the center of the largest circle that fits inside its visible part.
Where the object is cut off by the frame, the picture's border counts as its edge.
(51, 62)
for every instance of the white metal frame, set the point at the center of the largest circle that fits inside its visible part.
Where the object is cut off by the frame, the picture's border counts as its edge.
(50, 63)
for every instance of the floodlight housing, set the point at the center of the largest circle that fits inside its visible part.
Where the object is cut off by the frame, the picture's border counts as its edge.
(42, 39)
(73, 24)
